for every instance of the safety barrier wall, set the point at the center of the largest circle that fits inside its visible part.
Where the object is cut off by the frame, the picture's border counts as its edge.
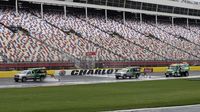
(108, 71)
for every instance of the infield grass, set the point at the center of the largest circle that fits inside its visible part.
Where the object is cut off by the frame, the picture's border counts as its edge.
(101, 97)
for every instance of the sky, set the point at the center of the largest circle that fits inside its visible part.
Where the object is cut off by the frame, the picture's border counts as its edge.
(196, 0)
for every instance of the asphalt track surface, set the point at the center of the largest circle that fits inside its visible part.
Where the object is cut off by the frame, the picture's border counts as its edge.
(188, 108)
(74, 80)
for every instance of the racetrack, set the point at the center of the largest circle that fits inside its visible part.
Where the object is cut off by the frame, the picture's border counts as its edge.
(74, 80)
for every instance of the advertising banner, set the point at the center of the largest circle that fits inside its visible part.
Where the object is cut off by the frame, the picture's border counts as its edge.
(86, 72)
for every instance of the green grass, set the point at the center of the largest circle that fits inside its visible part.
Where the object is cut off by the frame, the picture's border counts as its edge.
(101, 97)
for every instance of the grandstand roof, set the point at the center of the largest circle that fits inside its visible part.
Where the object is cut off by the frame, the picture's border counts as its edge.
(175, 4)
(161, 2)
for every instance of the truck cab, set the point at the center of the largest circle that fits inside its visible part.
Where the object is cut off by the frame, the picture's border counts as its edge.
(128, 72)
(31, 74)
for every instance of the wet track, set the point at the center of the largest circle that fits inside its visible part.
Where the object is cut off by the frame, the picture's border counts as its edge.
(74, 80)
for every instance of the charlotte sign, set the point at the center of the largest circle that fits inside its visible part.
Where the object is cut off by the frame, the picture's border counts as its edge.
(86, 72)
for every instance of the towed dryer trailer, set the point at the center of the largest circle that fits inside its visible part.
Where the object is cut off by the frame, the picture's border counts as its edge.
(31, 74)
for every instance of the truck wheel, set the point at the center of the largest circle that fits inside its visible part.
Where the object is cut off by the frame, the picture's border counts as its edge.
(24, 79)
(137, 76)
(124, 77)
(166, 75)
(41, 79)
(16, 80)
(182, 74)
(116, 77)
(186, 74)
(35, 79)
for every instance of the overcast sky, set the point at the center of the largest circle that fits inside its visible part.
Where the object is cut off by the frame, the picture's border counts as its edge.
(191, 0)
(195, 0)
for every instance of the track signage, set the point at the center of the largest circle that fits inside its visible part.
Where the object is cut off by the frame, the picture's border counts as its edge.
(94, 71)
(87, 72)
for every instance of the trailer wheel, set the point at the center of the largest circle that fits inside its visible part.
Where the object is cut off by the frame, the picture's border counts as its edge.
(41, 78)
(35, 79)
(182, 74)
(175, 75)
(137, 76)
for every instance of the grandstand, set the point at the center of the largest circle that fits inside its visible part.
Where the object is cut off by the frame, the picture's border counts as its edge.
(65, 31)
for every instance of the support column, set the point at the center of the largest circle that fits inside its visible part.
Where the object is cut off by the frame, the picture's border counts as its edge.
(106, 15)
(156, 19)
(16, 7)
(136, 15)
(42, 13)
(65, 11)
(124, 13)
(86, 13)
(187, 18)
(141, 13)
(106, 12)
(156, 14)
(124, 17)
(173, 17)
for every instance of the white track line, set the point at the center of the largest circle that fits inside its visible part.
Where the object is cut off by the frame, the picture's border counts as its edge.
(187, 108)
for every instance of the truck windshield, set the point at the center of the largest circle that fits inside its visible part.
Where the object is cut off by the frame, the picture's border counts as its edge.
(136, 69)
(26, 72)
(173, 67)
(185, 65)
